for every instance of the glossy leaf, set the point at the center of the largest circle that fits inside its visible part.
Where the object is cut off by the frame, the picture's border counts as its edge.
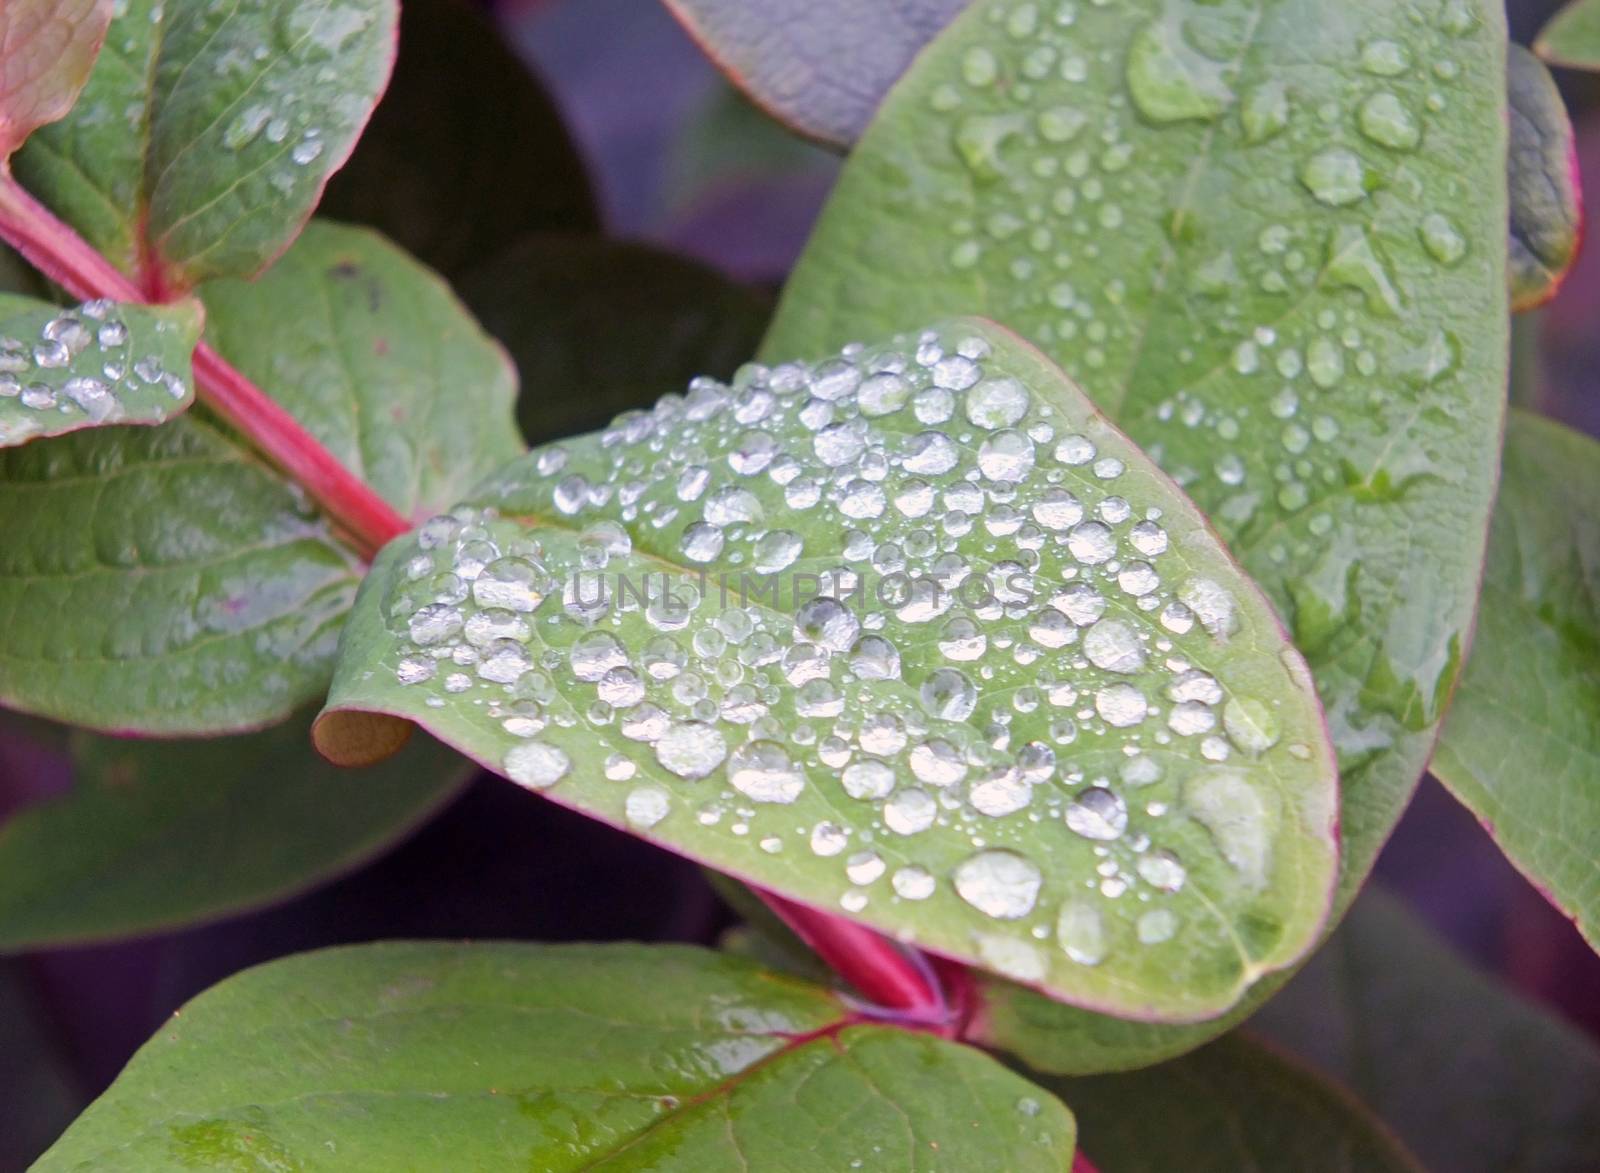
(163, 580)
(47, 48)
(1472, 1078)
(1546, 205)
(100, 364)
(552, 1058)
(1233, 1105)
(1128, 714)
(156, 835)
(206, 133)
(1522, 745)
(466, 152)
(597, 327)
(820, 67)
(376, 357)
(1302, 315)
(1572, 38)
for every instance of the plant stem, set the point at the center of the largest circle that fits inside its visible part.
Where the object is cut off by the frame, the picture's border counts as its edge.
(67, 259)
(1082, 1164)
(891, 977)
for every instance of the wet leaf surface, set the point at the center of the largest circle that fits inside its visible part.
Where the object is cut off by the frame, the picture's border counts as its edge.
(914, 635)
(206, 132)
(555, 1058)
(157, 835)
(1269, 240)
(1522, 745)
(62, 370)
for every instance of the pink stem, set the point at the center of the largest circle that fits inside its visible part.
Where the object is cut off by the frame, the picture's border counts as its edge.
(67, 259)
(1082, 1164)
(882, 972)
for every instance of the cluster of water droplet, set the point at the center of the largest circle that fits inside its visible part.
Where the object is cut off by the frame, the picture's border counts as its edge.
(1008, 649)
(78, 363)
(1291, 349)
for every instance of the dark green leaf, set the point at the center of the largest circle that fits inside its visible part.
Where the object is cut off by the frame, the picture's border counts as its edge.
(64, 370)
(1016, 755)
(598, 328)
(1473, 1079)
(1572, 38)
(163, 580)
(40, 1093)
(1522, 745)
(373, 354)
(466, 152)
(1269, 239)
(818, 65)
(428, 1056)
(173, 583)
(207, 131)
(1233, 1105)
(156, 835)
(47, 48)
(1546, 205)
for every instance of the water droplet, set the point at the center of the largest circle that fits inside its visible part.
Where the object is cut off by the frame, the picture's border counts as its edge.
(1264, 112)
(913, 883)
(1442, 239)
(1385, 120)
(1098, 814)
(1114, 646)
(1336, 177)
(949, 695)
(1251, 725)
(536, 765)
(910, 811)
(999, 884)
(1232, 811)
(761, 771)
(1081, 933)
(691, 749)
(1172, 82)
(646, 806)
(997, 403)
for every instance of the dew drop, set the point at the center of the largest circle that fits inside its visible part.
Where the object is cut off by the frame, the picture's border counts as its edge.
(1098, 814)
(1081, 933)
(536, 765)
(999, 884)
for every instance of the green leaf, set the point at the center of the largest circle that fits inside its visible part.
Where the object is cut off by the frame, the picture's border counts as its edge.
(64, 370)
(206, 133)
(163, 580)
(156, 835)
(172, 583)
(821, 66)
(47, 48)
(1249, 233)
(432, 1056)
(1546, 205)
(598, 327)
(1522, 745)
(1472, 1078)
(959, 760)
(41, 1093)
(1233, 1105)
(466, 152)
(1572, 38)
(374, 355)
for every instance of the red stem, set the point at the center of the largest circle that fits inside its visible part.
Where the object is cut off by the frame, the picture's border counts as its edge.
(67, 259)
(885, 974)
(1082, 1164)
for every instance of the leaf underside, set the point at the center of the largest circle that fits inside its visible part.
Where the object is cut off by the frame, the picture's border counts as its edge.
(156, 835)
(47, 48)
(1572, 38)
(554, 1058)
(206, 132)
(1053, 731)
(1269, 240)
(820, 67)
(1546, 205)
(1522, 745)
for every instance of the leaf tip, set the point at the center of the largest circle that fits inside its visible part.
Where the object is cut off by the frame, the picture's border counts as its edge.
(352, 738)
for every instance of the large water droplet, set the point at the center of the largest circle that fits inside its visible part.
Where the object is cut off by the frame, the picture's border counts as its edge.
(1172, 82)
(999, 884)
